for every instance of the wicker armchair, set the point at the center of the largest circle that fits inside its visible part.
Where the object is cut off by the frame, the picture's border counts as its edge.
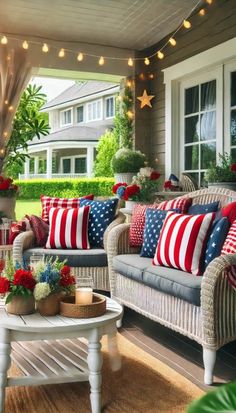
(213, 322)
(25, 244)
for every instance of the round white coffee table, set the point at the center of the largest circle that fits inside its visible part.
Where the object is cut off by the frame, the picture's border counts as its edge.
(60, 356)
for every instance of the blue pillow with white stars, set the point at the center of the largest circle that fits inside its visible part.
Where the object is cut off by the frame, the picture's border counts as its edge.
(153, 224)
(198, 209)
(216, 239)
(101, 214)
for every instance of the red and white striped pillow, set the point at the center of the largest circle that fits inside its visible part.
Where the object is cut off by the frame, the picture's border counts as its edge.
(68, 228)
(229, 247)
(182, 204)
(182, 241)
(52, 202)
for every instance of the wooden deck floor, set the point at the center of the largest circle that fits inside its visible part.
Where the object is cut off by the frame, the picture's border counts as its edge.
(180, 353)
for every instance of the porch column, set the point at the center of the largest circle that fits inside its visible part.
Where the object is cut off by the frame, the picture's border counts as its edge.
(27, 168)
(90, 160)
(49, 163)
(36, 165)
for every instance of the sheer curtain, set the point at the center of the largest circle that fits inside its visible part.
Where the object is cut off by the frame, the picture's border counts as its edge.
(15, 73)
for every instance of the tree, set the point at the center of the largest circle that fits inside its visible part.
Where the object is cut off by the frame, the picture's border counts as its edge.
(28, 123)
(123, 122)
(107, 148)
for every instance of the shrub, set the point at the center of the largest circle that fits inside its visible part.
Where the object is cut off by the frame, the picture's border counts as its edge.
(65, 188)
(107, 148)
(224, 171)
(126, 160)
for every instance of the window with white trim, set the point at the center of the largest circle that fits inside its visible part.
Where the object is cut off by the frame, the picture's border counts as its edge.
(94, 110)
(80, 114)
(110, 107)
(66, 117)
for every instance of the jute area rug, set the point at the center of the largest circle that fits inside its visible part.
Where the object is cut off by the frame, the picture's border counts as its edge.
(142, 385)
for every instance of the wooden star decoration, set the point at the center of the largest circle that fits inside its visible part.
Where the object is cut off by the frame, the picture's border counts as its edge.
(145, 99)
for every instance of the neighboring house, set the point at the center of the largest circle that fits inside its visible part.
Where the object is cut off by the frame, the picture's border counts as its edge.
(77, 117)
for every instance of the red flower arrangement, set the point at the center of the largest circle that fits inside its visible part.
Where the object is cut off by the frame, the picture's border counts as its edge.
(233, 167)
(20, 282)
(7, 188)
(24, 278)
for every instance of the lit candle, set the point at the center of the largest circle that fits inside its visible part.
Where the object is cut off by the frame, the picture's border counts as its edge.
(84, 295)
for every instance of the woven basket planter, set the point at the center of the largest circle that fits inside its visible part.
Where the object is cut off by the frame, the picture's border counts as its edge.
(20, 305)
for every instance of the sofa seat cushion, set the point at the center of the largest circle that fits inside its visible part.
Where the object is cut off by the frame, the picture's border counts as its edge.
(131, 265)
(174, 282)
(95, 257)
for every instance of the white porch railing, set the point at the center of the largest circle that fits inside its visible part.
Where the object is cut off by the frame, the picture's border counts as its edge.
(44, 176)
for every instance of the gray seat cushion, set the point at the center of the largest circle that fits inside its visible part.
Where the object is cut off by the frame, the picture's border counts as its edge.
(96, 257)
(178, 283)
(131, 265)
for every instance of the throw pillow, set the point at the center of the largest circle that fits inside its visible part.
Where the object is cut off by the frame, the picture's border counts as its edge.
(52, 202)
(102, 213)
(138, 223)
(229, 211)
(17, 228)
(182, 204)
(68, 228)
(153, 224)
(40, 229)
(229, 247)
(203, 208)
(182, 241)
(216, 239)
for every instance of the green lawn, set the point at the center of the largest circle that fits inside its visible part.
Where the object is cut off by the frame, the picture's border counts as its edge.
(29, 207)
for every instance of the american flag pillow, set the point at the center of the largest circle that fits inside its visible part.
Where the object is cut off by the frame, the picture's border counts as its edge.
(52, 202)
(182, 204)
(68, 228)
(229, 247)
(182, 241)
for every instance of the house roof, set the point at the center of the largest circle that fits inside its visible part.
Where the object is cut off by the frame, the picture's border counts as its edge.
(72, 133)
(79, 91)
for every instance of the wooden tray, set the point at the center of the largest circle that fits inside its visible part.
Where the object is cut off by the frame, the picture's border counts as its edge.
(68, 308)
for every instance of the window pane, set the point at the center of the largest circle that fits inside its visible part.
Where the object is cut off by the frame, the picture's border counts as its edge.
(80, 166)
(208, 126)
(233, 154)
(66, 166)
(80, 114)
(208, 154)
(98, 110)
(233, 127)
(233, 89)
(192, 129)
(208, 95)
(191, 100)
(191, 157)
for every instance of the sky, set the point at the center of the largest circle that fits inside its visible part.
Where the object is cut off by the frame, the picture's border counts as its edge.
(52, 87)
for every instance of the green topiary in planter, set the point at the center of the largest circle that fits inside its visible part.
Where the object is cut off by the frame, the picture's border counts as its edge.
(127, 160)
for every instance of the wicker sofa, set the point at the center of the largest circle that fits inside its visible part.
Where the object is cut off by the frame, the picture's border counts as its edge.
(84, 263)
(201, 308)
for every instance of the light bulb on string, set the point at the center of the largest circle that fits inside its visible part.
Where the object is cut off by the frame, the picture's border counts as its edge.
(5, 134)
(4, 40)
(202, 12)
(25, 45)
(187, 24)
(11, 108)
(129, 83)
(61, 53)
(130, 62)
(209, 2)
(130, 114)
(80, 57)
(101, 61)
(45, 48)
(146, 61)
(172, 41)
(160, 54)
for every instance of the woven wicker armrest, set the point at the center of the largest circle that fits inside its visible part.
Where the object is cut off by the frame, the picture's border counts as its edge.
(218, 302)
(22, 242)
(119, 219)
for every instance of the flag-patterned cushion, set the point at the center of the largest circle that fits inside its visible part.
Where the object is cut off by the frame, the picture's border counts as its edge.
(52, 202)
(68, 228)
(182, 204)
(229, 247)
(216, 239)
(182, 241)
(138, 223)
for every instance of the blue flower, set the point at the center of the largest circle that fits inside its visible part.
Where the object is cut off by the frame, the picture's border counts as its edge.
(120, 191)
(49, 275)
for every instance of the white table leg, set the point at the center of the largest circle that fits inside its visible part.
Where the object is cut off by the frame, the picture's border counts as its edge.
(5, 360)
(95, 365)
(114, 355)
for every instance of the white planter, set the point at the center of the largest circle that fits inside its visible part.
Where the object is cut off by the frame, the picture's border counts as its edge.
(129, 205)
(7, 206)
(226, 185)
(125, 177)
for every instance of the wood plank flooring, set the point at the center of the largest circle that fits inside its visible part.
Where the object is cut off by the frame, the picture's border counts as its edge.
(177, 351)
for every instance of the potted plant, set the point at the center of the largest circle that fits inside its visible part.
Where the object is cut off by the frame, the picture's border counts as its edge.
(8, 192)
(126, 163)
(220, 400)
(222, 174)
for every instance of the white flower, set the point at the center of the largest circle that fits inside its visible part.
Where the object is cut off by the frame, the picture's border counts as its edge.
(41, 290)
(146, 171)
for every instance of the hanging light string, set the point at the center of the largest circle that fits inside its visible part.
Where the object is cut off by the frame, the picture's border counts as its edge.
(45, 47)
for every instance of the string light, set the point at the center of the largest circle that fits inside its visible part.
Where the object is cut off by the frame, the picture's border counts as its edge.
(160, 54)
(4, 40)
(146, 61)
(6, 102)
(80, 57)
(5, 134)
(10, 108)
(61, 53)
(186, 24)
(101, 61)
(130, 62)
(209, 2)
(25, 45)
(45, 48)
(130, 114)
(172, 41)
(129, 83)
(151, 76)
(202, 12)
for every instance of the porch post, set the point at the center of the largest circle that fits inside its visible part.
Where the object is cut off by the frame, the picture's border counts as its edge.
(90, 160)
(49, 163)
(27, 168)
(36, 165)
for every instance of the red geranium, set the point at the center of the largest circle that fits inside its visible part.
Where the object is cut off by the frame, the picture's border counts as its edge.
(65, 270)
(233, 167)
(24, 278)
(4, 185)
(4, 285)
(116, 186)
(66, 280)
(167, 184)
(130, 191)
(154, 175)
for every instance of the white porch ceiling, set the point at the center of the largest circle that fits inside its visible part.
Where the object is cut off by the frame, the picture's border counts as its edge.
(132, 24)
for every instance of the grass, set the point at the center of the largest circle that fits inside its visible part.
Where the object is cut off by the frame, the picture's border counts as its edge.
(30, 207)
